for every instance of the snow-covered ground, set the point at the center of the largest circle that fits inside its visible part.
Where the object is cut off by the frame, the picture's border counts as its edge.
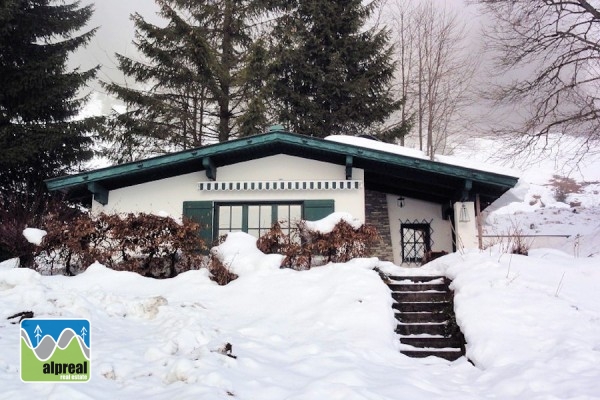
(532, 326)
(533, 208)
(532, 323)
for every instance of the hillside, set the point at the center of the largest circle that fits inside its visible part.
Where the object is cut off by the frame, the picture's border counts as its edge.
(532, 323)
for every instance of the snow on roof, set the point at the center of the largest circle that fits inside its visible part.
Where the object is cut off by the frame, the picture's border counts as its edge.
(414, 153)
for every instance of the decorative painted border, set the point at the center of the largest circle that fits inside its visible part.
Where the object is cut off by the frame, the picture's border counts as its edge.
(280, 185)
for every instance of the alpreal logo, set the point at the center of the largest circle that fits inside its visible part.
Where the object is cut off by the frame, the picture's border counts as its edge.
(55, 350)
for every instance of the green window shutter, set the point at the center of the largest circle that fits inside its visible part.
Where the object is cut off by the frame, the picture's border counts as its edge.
(318, 209)
(202, 213)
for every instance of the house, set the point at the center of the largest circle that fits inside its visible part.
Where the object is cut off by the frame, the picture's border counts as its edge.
(417, 205)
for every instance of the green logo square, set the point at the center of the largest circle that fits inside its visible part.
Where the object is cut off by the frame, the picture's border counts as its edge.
(55, 350)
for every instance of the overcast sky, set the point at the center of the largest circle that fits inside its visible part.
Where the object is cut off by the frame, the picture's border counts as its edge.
(115, 34)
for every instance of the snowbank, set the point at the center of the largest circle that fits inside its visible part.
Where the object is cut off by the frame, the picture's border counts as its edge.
(532, 326)
(239, 254)
(10, 263)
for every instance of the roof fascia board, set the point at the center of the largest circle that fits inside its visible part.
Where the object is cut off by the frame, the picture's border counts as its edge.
(117, 171)
(404, 161)
(307, 142)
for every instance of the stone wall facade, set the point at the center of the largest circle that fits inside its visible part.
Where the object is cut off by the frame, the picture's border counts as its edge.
(376, 214)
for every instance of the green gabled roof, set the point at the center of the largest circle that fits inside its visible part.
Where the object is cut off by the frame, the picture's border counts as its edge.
(384, 171)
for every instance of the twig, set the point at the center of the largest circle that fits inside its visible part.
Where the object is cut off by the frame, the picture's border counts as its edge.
(559, 284)
(509, 264)
(23, 315)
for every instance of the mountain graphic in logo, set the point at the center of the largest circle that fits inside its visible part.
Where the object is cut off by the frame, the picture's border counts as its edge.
(55, 350)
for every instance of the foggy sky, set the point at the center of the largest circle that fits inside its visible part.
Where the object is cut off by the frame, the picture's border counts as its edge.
(116, 33)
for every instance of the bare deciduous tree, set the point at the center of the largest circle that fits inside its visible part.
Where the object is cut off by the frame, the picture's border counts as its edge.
(435, 71)
(550, 51)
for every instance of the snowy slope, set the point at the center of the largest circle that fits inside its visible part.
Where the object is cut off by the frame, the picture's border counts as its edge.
(533, 207)
(532, 323)
(532, 326)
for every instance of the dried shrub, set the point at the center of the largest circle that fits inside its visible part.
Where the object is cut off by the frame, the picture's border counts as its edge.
(517, 242)
(12, 242)
(219, 272)
(563, 186)
(18, 212)
(150, 245)
(520, 245)
(344, 242)
(512, 240)
(304, 248)
(275, 241)
(297, 255)
(535, 199)
(71, 245)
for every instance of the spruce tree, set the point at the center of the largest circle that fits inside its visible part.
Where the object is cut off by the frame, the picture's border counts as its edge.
(39, 99)
(191, 85)
(330, 74)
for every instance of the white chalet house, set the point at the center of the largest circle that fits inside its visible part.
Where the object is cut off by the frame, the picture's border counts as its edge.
(417, 205)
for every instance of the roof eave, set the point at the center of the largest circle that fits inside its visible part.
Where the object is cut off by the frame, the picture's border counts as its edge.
(312, 147)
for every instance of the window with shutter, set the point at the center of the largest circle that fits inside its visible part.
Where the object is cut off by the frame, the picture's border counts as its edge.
(256, 218)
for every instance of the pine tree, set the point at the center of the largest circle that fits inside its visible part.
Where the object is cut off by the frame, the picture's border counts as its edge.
(192, 85)
(330, 74)
(39, 137)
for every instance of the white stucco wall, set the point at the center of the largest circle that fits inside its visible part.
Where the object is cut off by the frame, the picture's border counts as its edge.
(169, 194)
(418, 211)
(466, 231)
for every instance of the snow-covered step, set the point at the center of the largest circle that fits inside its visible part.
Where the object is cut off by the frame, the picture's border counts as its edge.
(425, 311)
(417, 278)
(423, 328)
(416, 287)
(432, 342)
(433, 307)
(421, 317)
(433, 297)
(448, 354)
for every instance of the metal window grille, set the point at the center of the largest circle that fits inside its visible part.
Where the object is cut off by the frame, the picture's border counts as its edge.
(416, 241)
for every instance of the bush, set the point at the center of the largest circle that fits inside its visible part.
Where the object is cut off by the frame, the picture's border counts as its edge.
(517, 242)
(304, 248)
(297, 256)
(12, 242)
(344, 242)
(150, 245)
(219, 272)
(18, 212)
(563, 186)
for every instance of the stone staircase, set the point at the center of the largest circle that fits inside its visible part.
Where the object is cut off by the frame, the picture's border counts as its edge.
(424, 309)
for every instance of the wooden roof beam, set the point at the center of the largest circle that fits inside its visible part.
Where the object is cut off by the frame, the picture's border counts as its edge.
(210, 168)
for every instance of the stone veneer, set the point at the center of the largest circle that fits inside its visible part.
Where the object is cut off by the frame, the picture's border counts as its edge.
(376, 214)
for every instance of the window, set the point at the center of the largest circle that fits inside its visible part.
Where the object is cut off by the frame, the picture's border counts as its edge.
(256, 219)
(218, 218)
(416, 241)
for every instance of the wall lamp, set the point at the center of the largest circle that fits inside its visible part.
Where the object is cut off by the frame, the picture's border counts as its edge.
(400, 201)
(464, 214)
